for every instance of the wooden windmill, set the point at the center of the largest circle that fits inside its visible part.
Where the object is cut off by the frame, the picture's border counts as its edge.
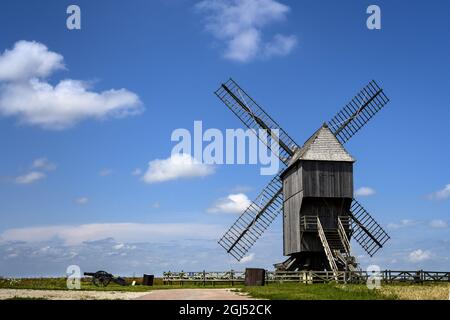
(314, 190)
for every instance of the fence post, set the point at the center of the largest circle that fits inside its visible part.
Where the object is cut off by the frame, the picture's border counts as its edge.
(232, 277)
(204, 277)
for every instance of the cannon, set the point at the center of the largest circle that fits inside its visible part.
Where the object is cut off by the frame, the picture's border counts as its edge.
(103, 278)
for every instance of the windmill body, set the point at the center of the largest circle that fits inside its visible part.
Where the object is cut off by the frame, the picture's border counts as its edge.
(314, 190)
(317, 184)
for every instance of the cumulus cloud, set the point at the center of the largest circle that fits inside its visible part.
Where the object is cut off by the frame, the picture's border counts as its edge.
(175, 167)
(233, 203)
(30, 177)
(82, 200)
(280, 45)
(136, 172)
(122, 232)
(364, 192)
(248, 258)
(402, 224)
(438, 224)
(28, 60)
(105, 172)
(156, 205)
(26, 95)
(240, 23)
(50, 258)
(440, 194)
(44, 164)
(36, 171)
(419, 255)
(241, 189)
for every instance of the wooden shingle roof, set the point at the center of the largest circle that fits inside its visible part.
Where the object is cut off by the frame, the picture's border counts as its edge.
(323, 146)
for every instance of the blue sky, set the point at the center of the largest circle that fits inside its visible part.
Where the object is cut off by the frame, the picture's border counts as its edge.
(301, 60)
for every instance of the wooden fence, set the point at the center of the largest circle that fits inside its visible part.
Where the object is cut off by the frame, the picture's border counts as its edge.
(235, 277)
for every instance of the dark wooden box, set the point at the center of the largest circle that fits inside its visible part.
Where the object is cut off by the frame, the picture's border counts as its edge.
(255, 277)
(148, 280)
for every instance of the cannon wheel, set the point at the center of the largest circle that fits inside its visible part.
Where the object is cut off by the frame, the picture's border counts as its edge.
(101, 279)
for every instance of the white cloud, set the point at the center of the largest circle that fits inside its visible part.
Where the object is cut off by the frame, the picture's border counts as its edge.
(233, 203)
(28, 60)
(247, 258)
(174, 253)
(30, 177)
(34, 101)
(239, 24)
(402, 224)
(43, 163)
(175, 167)
(136, 172)
(241, 189)
(82, 200)
(105, 172)
(35, 173)
(419, 255)
(438, 224)
(441, 194)
(156, 205)
(122, 232)
(364, 192)
(280, 45)
(118, 246)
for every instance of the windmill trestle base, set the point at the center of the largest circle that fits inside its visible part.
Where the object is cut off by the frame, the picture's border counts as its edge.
(304, 261)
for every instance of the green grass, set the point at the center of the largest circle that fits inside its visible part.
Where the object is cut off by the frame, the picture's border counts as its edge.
(273, 291)
(296, 291)
(86, 284)
(60, 284)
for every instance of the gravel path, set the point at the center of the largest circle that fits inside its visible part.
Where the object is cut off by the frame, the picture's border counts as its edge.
(69, 295)
(194, 294)
(168, 294)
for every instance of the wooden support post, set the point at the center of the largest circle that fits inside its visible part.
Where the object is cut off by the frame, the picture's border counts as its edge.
(232, 277)
(204, 277)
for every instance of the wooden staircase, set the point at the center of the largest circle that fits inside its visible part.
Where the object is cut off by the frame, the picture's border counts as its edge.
(327, 248)
(337, 247)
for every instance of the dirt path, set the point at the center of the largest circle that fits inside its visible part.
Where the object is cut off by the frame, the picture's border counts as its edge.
(194, 294)
(168, 294)
(68, 295)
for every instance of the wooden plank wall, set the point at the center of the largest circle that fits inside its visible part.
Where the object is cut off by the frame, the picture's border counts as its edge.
(320, 188)
(327, 179)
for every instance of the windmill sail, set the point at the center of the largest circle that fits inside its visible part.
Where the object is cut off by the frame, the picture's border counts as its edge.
(366, 231)
(358, 112)
(254, 221)
(255, 118)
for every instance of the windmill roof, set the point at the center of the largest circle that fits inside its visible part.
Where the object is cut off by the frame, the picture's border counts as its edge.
(323, 146)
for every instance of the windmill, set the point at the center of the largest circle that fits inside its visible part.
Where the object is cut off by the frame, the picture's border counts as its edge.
(314, 189)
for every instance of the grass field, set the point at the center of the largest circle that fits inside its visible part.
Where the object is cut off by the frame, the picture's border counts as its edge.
(278, 291)
(86, 284)
(295, 291)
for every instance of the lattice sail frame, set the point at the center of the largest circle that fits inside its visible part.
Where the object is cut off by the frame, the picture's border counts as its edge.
(255, 118)
(366, 231)
(347, 122)
(247, 229)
